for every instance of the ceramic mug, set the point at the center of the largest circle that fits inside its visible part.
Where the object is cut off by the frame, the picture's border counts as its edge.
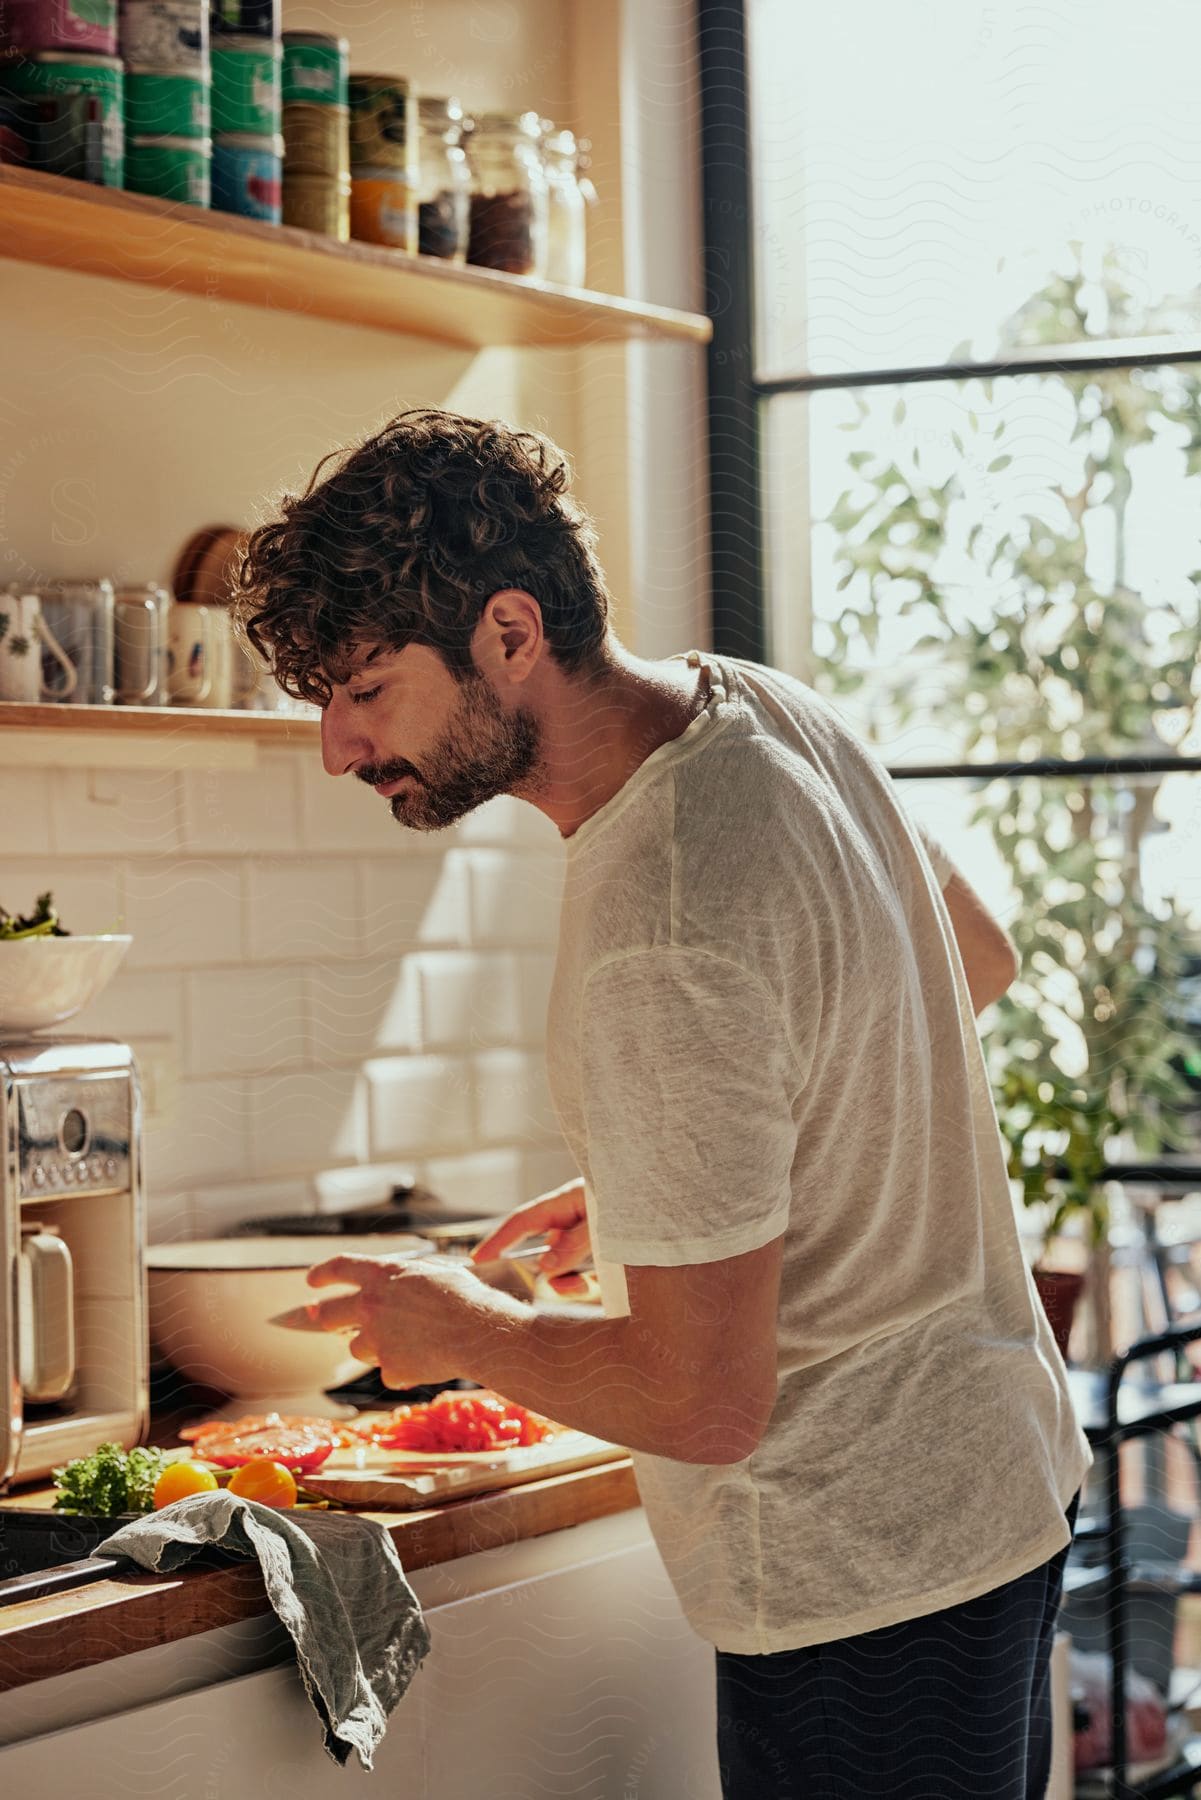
(24, 638)
(192, 653)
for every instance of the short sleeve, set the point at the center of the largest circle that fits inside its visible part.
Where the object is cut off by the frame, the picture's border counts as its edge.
(689, 1082)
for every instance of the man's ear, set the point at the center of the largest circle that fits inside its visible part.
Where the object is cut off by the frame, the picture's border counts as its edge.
(509, 639)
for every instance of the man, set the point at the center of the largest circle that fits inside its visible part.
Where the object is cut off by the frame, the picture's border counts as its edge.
(851, 1427)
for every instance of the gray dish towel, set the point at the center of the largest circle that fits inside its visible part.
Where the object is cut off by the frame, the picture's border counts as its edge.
(335, 1581)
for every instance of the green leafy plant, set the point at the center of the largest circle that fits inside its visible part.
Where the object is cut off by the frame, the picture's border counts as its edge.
(1087, 1048)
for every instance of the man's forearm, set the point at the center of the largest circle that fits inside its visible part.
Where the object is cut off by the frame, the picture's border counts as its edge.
(610, 1377)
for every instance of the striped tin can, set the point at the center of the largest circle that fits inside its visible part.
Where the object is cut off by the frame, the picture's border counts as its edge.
(246, 87)
(316, 139)
(383, 133)
(316, 68)
(245, 18)
(72, 108)
(166, 103)
(173, 168)
(246, 175)
(383, 208)
(87, 25)
(319, 203)
(166, 34)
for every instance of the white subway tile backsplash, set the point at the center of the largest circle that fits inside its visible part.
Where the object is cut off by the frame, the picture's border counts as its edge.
(513, 1103)
(138, 1004)
(415, 901)
(465, 999)
(298, 910)
(300, 1121)
(243, 812)
(357, 1009)
(24, 814)
(487, 1182)
(201, 1138)
(515, 899)
(340, 813)
(246, 1020)
(170, 1217)
(221, 1207)
(371, 1184)
(183, 914)
(115, 812)
(418, 1105)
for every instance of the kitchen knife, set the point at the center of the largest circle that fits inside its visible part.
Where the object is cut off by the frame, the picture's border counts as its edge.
(494, 1271)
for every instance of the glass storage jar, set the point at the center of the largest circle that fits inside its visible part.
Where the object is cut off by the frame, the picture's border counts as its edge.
(443, 180)
(508, 194)
(569, 194)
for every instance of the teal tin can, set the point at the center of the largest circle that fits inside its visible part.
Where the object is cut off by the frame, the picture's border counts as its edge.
(73, 106)
(171, 103)
(316, 68)
(171, 168)
(246, 87)
(247, 176)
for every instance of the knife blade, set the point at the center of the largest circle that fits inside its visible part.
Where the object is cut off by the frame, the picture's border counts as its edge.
(519, 1262)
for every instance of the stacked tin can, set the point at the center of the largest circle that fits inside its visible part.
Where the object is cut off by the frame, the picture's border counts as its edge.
(316, 133)
(61, 93)
(383, 161)
(165, 47)
(247, 146)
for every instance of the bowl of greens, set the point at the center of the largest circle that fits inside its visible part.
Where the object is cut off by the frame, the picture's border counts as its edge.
(48, 974)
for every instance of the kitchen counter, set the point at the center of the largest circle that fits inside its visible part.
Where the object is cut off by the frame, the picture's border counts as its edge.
(66, 1632)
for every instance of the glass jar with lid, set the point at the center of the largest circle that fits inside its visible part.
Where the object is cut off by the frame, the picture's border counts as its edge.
(569, 194)
(443, 180)
(508, 193)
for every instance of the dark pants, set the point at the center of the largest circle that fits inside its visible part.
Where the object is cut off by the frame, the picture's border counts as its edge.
(955, 1704)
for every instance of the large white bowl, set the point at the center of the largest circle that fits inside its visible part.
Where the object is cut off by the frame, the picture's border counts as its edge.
(210, 1301)
(46, 980)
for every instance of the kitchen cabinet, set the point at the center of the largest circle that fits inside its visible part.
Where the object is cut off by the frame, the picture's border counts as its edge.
(560, 1665)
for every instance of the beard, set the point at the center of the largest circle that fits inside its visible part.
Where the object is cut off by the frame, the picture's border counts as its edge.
(484, 752)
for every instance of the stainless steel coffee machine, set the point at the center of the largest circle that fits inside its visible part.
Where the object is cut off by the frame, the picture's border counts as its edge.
(73, 1347)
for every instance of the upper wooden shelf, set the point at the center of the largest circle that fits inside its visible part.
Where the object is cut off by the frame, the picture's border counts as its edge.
(66, 224)
(168, 721)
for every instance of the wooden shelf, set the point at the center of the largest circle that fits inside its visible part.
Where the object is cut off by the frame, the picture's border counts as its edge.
(171, 721)
(151, 737)
(64, 224)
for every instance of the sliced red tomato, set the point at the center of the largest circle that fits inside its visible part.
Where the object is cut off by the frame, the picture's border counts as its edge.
(298, 1448)
(455, 1421)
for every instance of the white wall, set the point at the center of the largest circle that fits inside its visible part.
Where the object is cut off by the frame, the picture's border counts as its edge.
(309, 986)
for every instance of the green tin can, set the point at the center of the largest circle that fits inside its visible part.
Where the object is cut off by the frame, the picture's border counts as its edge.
(76, 122)
(173, 168)
(166, 103)
(316, 68)
(246, 86)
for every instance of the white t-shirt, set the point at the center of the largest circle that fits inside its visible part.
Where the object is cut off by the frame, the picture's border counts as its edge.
(760, 1026)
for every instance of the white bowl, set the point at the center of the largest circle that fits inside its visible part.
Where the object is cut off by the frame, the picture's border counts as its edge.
(46, 980)
(210, 1302)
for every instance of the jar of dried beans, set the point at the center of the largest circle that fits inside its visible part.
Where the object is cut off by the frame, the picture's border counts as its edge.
(508, 194)
(443, 182)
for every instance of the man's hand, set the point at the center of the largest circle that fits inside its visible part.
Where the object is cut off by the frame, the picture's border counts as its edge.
(416, 1317)
(562, 1216)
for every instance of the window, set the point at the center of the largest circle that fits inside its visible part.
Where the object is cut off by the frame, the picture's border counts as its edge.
(956, 470)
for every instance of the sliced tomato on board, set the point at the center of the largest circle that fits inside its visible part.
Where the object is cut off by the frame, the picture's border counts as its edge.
(301, 1447)
(463, 1421)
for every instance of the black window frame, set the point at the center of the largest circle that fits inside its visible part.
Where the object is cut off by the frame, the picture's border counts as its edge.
(737, 395)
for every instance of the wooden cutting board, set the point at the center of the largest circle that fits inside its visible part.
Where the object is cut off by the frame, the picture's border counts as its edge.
(395, 1480)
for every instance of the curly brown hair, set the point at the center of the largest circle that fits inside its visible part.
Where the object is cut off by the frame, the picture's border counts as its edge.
(406, 542)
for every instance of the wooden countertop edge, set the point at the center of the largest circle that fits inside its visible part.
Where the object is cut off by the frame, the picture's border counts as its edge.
(85, 1626)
